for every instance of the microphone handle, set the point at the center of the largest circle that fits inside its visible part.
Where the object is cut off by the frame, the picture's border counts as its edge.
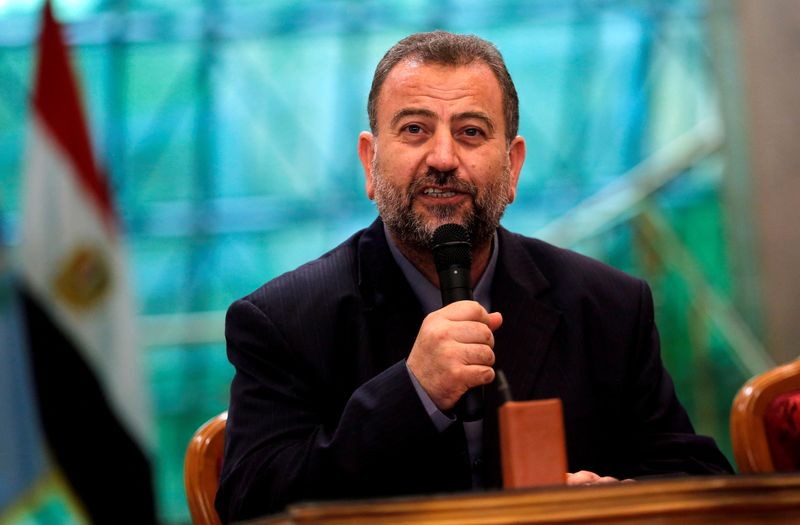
(455, 286)
(470, 406)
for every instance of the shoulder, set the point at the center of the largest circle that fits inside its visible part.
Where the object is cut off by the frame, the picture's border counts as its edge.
(572, 275)
(553, 260)
(313, 285)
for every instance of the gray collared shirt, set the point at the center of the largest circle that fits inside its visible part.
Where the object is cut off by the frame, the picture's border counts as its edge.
(430, 299)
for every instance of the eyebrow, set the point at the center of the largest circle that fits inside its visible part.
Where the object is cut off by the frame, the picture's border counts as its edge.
(411, 112)
(422, 112)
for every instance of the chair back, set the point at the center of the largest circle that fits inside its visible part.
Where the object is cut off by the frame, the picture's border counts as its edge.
(765, 421)
(202, 467)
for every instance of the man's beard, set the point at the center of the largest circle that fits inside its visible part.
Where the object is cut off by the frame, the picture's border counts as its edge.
(415, 229)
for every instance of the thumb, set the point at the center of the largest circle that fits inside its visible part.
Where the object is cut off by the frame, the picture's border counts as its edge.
(495, 320)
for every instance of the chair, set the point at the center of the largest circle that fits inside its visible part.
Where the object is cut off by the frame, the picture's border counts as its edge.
(765, 421)
(201, 469)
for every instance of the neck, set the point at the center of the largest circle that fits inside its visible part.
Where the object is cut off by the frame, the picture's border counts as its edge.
(422, 260)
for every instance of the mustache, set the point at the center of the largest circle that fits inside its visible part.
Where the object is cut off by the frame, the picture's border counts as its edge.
(449, 178)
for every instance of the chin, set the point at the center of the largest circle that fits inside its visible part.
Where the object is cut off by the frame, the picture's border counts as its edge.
(438, 215)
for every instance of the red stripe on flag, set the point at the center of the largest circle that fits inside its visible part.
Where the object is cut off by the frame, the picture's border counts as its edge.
(56, 99)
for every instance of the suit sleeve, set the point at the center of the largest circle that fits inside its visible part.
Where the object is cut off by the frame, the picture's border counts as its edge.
(662, 437)
(283, 443)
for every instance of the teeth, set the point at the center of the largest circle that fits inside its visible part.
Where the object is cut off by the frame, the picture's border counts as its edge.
(435, 192)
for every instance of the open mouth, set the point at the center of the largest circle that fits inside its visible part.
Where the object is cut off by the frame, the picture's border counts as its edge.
(441, 193)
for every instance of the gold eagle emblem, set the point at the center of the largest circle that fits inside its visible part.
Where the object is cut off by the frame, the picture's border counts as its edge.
(84, 278)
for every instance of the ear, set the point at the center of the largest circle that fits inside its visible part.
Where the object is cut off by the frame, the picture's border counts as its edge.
(366, 152)
(516, 158)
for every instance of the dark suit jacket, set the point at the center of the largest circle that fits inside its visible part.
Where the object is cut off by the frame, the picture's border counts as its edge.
(322, 405)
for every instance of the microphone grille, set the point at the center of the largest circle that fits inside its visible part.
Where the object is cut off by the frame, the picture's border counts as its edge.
(451, 247)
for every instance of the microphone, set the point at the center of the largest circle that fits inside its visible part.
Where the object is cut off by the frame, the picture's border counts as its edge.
(452, 254)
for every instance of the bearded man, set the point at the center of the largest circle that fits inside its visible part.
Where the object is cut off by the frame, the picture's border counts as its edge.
(348, 368)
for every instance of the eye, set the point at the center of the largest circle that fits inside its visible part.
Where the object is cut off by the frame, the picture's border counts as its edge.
(473, 132)
(414, 129)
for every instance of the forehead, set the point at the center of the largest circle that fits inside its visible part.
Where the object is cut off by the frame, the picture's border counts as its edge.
(441, 88)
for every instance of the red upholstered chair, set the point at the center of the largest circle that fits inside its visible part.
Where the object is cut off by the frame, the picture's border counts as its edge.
(201, 469)
(765, 421)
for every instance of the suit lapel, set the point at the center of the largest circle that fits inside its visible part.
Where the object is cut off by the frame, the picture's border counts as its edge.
(522, 342)
(393, 313)
(519, 293)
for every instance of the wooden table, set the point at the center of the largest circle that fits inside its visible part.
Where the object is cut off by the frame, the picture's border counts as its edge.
(757, 499)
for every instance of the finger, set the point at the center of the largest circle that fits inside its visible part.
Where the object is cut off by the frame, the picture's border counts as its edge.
(477, 375)
(471, 332)
(478, 355)
(472, 311)
(465, 311)
(495, 320)
(605, 480)
(573, 479)
(582, 477)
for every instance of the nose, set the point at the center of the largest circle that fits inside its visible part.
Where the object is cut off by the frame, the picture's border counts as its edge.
(442, 155)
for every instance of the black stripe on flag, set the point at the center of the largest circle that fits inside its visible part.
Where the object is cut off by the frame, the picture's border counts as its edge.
(104, 466)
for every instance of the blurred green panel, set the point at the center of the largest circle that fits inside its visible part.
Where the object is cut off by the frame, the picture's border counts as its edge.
(160, 101)
(189, 385)
(15, 70)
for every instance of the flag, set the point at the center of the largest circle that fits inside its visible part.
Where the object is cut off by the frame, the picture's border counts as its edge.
(32, 489)
(22, 457)
(77, 306)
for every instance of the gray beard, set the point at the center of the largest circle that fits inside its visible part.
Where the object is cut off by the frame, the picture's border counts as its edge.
(410, 228)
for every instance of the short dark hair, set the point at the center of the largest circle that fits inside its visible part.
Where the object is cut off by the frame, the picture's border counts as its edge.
(441, 47)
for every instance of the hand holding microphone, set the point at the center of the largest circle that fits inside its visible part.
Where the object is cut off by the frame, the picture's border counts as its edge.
(453, 355)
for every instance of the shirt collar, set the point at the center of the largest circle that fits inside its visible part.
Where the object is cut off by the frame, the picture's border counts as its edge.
(429, 296)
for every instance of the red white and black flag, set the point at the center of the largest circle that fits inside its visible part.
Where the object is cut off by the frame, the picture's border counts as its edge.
(78, 309)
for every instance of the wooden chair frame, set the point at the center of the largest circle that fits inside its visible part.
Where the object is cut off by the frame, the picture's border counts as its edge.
(748, 433)
(201, 469)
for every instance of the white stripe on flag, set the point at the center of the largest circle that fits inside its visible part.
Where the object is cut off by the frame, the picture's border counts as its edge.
(73, 263)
